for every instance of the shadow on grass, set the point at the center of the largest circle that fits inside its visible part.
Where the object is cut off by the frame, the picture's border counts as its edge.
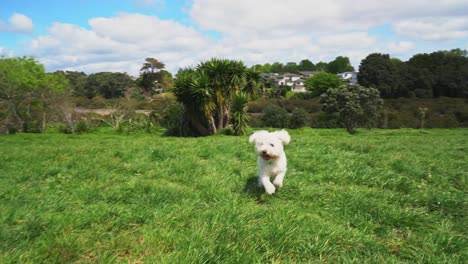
(252, 190)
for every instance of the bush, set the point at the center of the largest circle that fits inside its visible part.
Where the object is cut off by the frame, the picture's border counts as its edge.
(298, 118)
(80, 127)
(321, 82)
(140, 122)
(355, 105)
(239, 114)
(326, 120)
(302, 96)
(275, 116)
(173, 120)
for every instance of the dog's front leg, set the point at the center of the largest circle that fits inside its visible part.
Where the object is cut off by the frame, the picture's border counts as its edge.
(269, 187)
(278, 181)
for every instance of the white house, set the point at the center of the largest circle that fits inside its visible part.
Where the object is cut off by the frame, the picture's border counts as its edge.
(351, 77)
(293, 79)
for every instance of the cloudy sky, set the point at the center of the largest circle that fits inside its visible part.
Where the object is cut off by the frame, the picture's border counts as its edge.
(117, 35)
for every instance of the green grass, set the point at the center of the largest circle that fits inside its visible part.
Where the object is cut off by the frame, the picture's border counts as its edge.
(379, 196)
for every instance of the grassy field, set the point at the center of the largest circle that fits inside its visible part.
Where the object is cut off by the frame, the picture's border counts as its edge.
(379, 196)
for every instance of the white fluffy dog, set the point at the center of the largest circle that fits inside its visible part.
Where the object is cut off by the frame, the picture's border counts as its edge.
(271, 158)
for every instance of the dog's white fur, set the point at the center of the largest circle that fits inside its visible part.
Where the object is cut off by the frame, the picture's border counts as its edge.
(271, 158)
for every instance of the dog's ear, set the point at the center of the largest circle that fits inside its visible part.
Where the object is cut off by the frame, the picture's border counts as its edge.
(256, 135)
(283, 135)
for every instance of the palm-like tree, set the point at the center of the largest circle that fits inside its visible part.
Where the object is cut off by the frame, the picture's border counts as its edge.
(240, 116)
(253, 82)
(193, 91)
(208, 91)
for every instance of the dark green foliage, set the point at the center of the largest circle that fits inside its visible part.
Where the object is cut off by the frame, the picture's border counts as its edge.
(207, 92)
(77, 82)
(326, 120)
(442, 73)
(240, 117)
(108, 84)
(277, 92)
(378, 71)
(321, 82)
(339, 64)
(355, 105)
(274, 116)
(27, 94)
(151, 75)
(173, 120)
(298, 118)
(306, 65)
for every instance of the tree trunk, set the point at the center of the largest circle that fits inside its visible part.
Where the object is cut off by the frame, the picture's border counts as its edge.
(197, 126)
(220, 124)
(211, 122)
(44, 107)
(43, 121)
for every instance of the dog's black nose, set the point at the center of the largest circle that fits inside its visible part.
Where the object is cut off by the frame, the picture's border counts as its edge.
(264, 152)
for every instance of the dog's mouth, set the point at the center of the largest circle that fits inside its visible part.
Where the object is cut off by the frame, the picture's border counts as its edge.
(266, 156)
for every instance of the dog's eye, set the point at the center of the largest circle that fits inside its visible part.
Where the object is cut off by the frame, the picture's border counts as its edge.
(272, 145)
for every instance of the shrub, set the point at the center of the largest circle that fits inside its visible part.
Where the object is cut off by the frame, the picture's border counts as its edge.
(326, 120)
(80, 127)
(355, 105)
(321, 82)
(240, 118)
(298, 118)
(140, 122)
(275, 116)
(173, 120)
(302, 96)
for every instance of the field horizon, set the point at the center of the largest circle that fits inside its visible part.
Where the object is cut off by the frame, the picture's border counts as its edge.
(377, 196)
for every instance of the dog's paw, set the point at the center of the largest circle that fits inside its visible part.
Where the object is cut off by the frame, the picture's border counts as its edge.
(278, 183)
(270, 189)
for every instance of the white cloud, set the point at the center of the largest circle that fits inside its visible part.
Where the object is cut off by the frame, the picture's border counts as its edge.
(252, 31)
(400, 47)
(268, 31)
(119, 43)
(18, 23)
(6, 52)
(434, 29)
(353, 40)
(265, 17)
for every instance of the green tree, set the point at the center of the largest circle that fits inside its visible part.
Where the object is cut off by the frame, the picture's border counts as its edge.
(193, 90)
(339, 64)
(109, 84)
(321, 82)
(377, 70)
(298, 118)
(240, 117)
(277, 67)
(275, 116)
(321, 66)
(290, 67)
(207, 93)
(151, 75)
(77, 82)
(306, 65)
(253, 83)
(25, 93)
(353, 105)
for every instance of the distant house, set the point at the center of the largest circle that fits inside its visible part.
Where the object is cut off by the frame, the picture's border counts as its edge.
(350, 77)
(293, 79)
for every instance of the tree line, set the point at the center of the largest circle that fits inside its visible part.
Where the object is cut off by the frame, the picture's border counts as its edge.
(213, 95)
(30, 97)
(441, 73)
(152, 78)
(338, 65)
